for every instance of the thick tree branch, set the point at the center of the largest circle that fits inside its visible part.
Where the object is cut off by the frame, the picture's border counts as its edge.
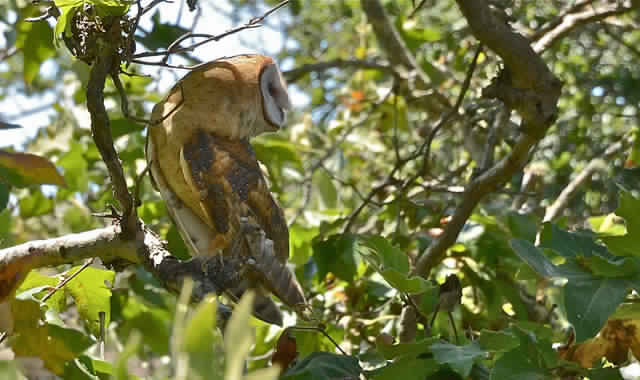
(209, 274)
(106, 62)
(526, 85)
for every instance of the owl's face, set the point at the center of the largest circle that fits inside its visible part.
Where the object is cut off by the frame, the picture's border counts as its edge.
(235, 97)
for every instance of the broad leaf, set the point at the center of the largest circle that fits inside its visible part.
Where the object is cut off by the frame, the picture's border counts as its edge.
(24, 169)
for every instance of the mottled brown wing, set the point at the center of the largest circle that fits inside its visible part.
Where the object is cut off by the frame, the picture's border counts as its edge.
(234, 196)
(200, 237)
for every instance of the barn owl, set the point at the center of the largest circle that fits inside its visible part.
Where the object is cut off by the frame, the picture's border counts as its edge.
(202, 164)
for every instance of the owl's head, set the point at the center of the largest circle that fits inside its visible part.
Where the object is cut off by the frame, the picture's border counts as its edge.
(233, 97)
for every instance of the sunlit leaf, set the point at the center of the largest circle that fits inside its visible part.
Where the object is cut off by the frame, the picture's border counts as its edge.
(91, 291)
(24, 169)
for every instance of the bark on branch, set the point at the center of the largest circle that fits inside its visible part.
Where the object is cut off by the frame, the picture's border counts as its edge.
(526, 85)
(106, 63)
(108, 244)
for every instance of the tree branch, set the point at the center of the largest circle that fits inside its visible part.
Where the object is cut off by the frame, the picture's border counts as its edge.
(106, 63)
(212, 274)
(296, 74)
(569, 192)
(399, 54)
(526, 85)
(571, 21)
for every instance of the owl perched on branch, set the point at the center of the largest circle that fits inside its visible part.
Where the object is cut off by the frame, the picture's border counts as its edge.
(206, 171)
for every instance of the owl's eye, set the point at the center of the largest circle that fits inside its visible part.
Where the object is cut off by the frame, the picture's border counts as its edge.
(274, 95)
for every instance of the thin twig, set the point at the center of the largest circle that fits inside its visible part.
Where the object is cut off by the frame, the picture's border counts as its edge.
(426, 145)
(568, 192)
(320, 330)
(66, 281)
(138, 186)
(453, 111)
(130, 38)
(252, 23)
(417, 8)
(124, 101)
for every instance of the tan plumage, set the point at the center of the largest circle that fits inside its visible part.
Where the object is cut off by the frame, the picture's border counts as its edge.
(205, 169)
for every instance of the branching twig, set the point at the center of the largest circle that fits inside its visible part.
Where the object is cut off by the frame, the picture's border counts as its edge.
(573, 20)
(253, 23)
(296, 74)
(568, 192)
(425, 147)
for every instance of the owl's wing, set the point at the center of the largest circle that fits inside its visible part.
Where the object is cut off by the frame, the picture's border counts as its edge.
(234, 199)
(201, 239)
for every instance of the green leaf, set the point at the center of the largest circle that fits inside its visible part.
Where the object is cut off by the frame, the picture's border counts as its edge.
(111, 7)
(308, 342)
(629, 244)
(459, 358)
(91, 295)
(35, 205)
(36, 280)
(410, 285)
(121, 127)
(570, 244)
(176, 245)
(238, 338)
(599, 266)
(135, 317)
(53, 344)
(326, 188)
(75, 167)
(301, 243)
(86, 368)
(533, 359)
(517, 365)
(35, 40)
(608, 225)
(393, 351)
(590, 300)
(407, 368)
(391, 263)
(24, 169)
(523, 226)
(497, 340)
(382, 254)
(67, 10)
(535, 258)
(324, 365)
(202, 341)
(336, 255)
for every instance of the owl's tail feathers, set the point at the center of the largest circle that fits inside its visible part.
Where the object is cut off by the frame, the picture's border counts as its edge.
(263, 307)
